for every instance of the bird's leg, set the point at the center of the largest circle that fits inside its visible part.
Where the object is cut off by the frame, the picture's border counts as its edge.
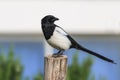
(60, 52)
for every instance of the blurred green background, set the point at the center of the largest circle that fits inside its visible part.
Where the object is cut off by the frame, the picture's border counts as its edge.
(11, 68)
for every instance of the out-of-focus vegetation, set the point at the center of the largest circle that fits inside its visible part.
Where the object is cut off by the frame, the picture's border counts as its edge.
(38, 77)
(78, 71)
(11, 68)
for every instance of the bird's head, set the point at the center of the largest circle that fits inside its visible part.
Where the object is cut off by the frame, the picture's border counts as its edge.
(49, 19)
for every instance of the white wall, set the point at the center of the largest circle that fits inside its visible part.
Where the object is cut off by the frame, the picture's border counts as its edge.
(75, 16)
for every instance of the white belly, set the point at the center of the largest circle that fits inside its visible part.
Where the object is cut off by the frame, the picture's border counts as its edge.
(59, 41)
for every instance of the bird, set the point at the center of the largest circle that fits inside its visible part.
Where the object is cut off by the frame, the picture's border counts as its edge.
(59, 39)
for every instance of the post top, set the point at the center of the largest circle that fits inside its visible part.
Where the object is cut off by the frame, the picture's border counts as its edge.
(55, 56)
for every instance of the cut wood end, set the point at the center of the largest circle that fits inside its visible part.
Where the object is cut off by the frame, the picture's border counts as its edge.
(56, 57)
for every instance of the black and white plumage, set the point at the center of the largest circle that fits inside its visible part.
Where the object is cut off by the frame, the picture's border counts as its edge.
(61, 40)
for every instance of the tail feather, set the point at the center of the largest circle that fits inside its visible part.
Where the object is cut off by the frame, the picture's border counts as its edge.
(77, 46)
(96, 54)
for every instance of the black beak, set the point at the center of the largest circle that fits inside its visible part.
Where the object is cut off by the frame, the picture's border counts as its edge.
(56, 19)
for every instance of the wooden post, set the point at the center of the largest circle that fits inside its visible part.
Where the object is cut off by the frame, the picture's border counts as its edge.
(55, 67)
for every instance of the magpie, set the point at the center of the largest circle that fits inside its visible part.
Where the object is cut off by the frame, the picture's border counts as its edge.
(59, 39)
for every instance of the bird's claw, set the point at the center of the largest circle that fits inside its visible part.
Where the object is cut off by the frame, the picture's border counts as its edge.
(56, 55)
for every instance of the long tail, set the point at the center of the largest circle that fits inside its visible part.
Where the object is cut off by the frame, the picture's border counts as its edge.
(79, 47)
(96, 54)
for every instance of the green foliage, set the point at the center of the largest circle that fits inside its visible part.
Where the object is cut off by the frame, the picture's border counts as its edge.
(79, 72)
(10, 68)
(38, 77)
